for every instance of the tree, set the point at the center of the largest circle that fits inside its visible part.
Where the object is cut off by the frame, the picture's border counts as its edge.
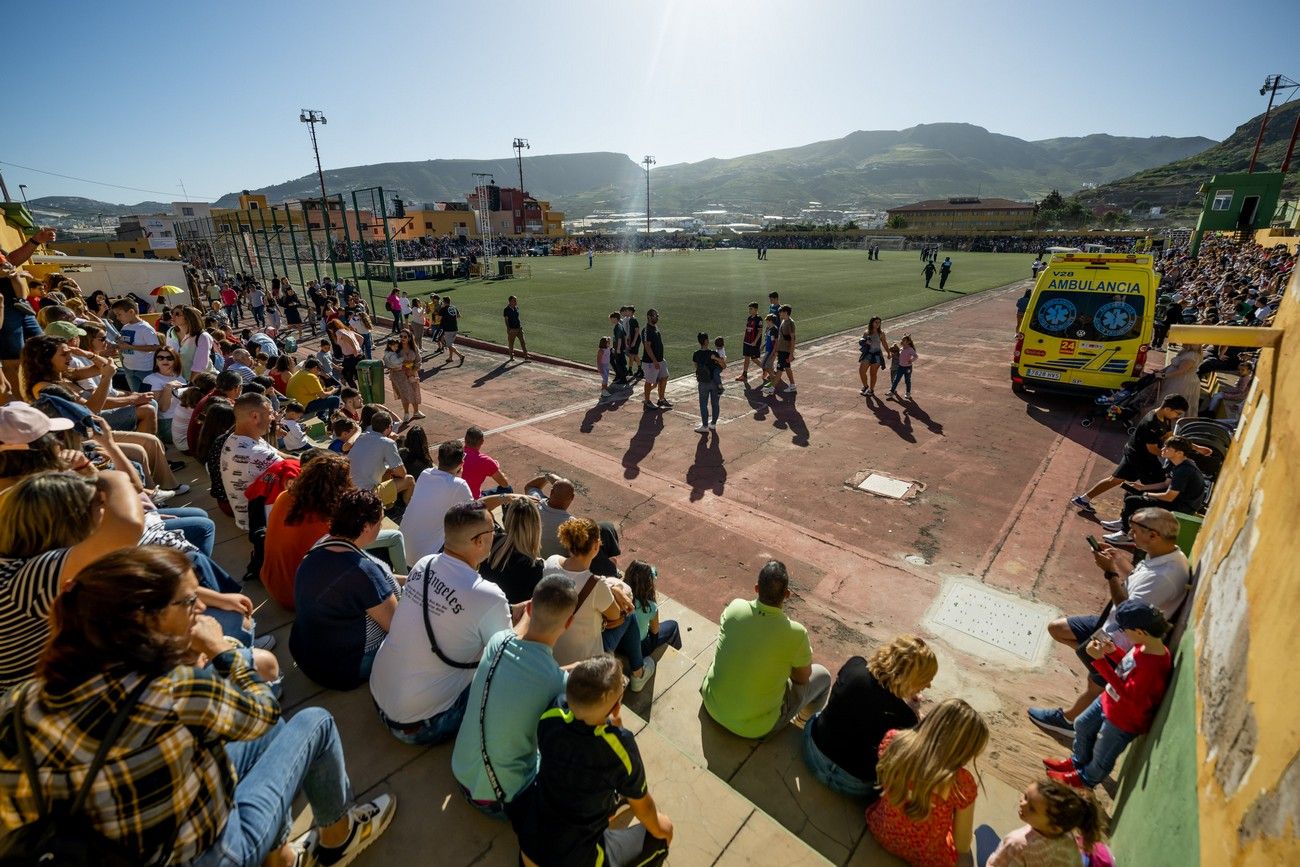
(1053, 201)
(897, 221)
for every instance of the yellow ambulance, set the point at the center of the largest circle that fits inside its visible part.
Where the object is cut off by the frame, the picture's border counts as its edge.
(1087, 328)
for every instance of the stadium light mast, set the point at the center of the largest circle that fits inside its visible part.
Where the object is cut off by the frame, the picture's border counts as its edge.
(647, 162)
(520, 145)
(312, 117)
(1272, 84)
(22, 188)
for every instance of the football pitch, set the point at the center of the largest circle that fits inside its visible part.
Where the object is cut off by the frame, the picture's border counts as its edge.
(564, 306)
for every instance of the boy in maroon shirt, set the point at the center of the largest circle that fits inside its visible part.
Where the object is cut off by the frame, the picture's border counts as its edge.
(1127, 707)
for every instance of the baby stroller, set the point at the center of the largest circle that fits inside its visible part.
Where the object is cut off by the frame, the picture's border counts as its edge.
(1127, 405)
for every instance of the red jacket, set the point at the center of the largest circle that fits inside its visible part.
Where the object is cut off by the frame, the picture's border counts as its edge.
(1140, 690)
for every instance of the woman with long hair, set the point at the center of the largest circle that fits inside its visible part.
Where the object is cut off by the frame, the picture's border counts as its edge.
(872, 347)
(1179, 376)
(413, 447)
(52, 525)
(402, 361)
(926, 811)
(870, 698)
(211, 770)
(195, 344)
(350, 346)
(164, 382)
(300, 516)
(416, 321)
(515, 563)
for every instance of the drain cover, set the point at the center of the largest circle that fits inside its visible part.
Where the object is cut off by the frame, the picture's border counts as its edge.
(885, 486)
(993, 618)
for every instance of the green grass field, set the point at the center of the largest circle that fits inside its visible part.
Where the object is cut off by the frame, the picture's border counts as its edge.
(564, 306)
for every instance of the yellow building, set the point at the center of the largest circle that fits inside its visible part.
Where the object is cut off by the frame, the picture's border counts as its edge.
(965, 214)
(420, 222)
(138, 249)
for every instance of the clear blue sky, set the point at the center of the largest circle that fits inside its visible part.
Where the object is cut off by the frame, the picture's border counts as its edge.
(146, 94)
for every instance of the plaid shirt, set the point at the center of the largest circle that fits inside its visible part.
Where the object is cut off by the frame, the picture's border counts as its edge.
(166, 788)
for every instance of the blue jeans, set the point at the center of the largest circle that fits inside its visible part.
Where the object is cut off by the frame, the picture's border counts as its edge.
(668, 634)
(304, 754)
(232, 313)
(710, 398)
(259, 316)
(1097, 744)
(120, 418)
(437, 729)
(135, 378)
(193, 524)
(322, 407)
(831, 775)
(367, 344)
(903, 373)
(624, 639)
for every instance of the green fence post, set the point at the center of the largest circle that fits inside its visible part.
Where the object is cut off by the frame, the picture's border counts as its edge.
(293, 239)
(365, 264)
(388, 238)
(311, 242)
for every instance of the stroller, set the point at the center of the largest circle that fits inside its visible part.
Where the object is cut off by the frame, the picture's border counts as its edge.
(1127, 405)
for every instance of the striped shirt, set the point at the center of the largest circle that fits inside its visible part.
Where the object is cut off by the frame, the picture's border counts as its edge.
(166, 790)
(27, 591)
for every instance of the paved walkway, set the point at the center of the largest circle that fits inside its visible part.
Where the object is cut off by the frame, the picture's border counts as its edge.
(992, 475)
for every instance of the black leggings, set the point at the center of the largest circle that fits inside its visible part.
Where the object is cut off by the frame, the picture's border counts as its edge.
(350, 363)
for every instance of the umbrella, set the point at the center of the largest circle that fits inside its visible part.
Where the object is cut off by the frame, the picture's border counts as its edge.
(166, 289)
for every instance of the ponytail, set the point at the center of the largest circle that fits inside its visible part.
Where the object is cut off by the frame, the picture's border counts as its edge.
(1072, 809)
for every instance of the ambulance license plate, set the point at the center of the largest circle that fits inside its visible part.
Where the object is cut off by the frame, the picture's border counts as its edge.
(1042, 374)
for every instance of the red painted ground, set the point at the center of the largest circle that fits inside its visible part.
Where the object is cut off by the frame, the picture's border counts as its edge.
(998, 470)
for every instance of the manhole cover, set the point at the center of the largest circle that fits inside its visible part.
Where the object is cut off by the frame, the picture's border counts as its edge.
(995, 618)
(885, 486)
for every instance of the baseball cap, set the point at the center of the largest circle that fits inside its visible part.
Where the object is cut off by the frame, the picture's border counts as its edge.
(1136, 614)
(22, 424)
(64, 329)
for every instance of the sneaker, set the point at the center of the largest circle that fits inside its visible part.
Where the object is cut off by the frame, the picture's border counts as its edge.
(701, 428)
(638, 683)
(1063, 766)
(891, 394)
(265, 642)
(865, 391)
(1070, 778)
(649, 406)
(162, 495)
(1112, 525)
(1082, 502)
(369, 820)
(665, 404)
(1120, 538)
(869, 390)
(713, 425)
(176, 466)
(769, 391)
(792, 387)
(1052, 720)
(418, 415)
(908, 395)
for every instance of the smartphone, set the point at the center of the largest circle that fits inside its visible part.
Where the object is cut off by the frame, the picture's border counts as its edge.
(1093, 544)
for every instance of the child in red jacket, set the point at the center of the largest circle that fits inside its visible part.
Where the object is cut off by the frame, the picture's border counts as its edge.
(1134, 689)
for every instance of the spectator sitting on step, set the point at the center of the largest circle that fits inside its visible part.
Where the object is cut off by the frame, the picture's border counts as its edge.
(344, 597)
(437, 491)
(377, 465)
(343, 432)
(516, 680)
(1161, 579)
(305, 387)
(870, 697)
(762, 675)
(588, 762)
(480, 467)
(926, 811)
(448, 613)
(1182, 491)
(554, 507)
(603, 603)
(515, 563)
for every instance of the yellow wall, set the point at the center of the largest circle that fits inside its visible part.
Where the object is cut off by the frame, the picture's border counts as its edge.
(1247, 608)
(436, 223)
(110, 249)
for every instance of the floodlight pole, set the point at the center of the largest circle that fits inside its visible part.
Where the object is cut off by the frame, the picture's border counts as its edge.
(22, 188)
(312, 117)
(648, 162)
(520, 145)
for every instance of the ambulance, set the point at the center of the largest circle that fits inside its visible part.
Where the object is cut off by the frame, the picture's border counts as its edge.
(1088, 325)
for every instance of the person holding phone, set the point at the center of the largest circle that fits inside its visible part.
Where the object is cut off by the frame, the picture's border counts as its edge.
(1161, 580)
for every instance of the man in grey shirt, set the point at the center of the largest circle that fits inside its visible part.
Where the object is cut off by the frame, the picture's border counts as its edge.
(377, 465)
(554, 508)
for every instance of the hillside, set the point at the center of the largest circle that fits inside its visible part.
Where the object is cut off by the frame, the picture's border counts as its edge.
(1173, 185)
(76, 206)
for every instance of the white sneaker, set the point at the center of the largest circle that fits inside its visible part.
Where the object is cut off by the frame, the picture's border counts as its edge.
(163, 495)
(1120, 538)
(713, 425)
(369, 820)
(701, 428)
(792, 387)
(1112, 525)
(768, 392)
(648, 671)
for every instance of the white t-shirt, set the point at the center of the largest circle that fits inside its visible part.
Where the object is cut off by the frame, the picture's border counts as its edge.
(408, 681)
(156, 383)
(294, 435)
(436, 491)
(243, 459)
(1159, 581)
(139, 334)
(582, 639)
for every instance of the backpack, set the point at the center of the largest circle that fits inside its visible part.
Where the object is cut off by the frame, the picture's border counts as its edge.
(62, 835)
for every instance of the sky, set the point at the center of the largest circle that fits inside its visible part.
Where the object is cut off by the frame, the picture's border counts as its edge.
(193, 101)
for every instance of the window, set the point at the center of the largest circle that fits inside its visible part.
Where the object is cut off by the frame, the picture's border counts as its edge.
(187, 212)
(428, 224)
(1222, 200)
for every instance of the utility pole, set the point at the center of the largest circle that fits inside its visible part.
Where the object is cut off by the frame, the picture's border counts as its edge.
(312, 117)
(1272, 84)
(648, 162)
(520, 145)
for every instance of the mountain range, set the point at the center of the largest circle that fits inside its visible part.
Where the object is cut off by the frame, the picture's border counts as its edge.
(863, 169)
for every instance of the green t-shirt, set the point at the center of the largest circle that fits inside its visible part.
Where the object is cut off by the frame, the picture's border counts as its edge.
(757, 647)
